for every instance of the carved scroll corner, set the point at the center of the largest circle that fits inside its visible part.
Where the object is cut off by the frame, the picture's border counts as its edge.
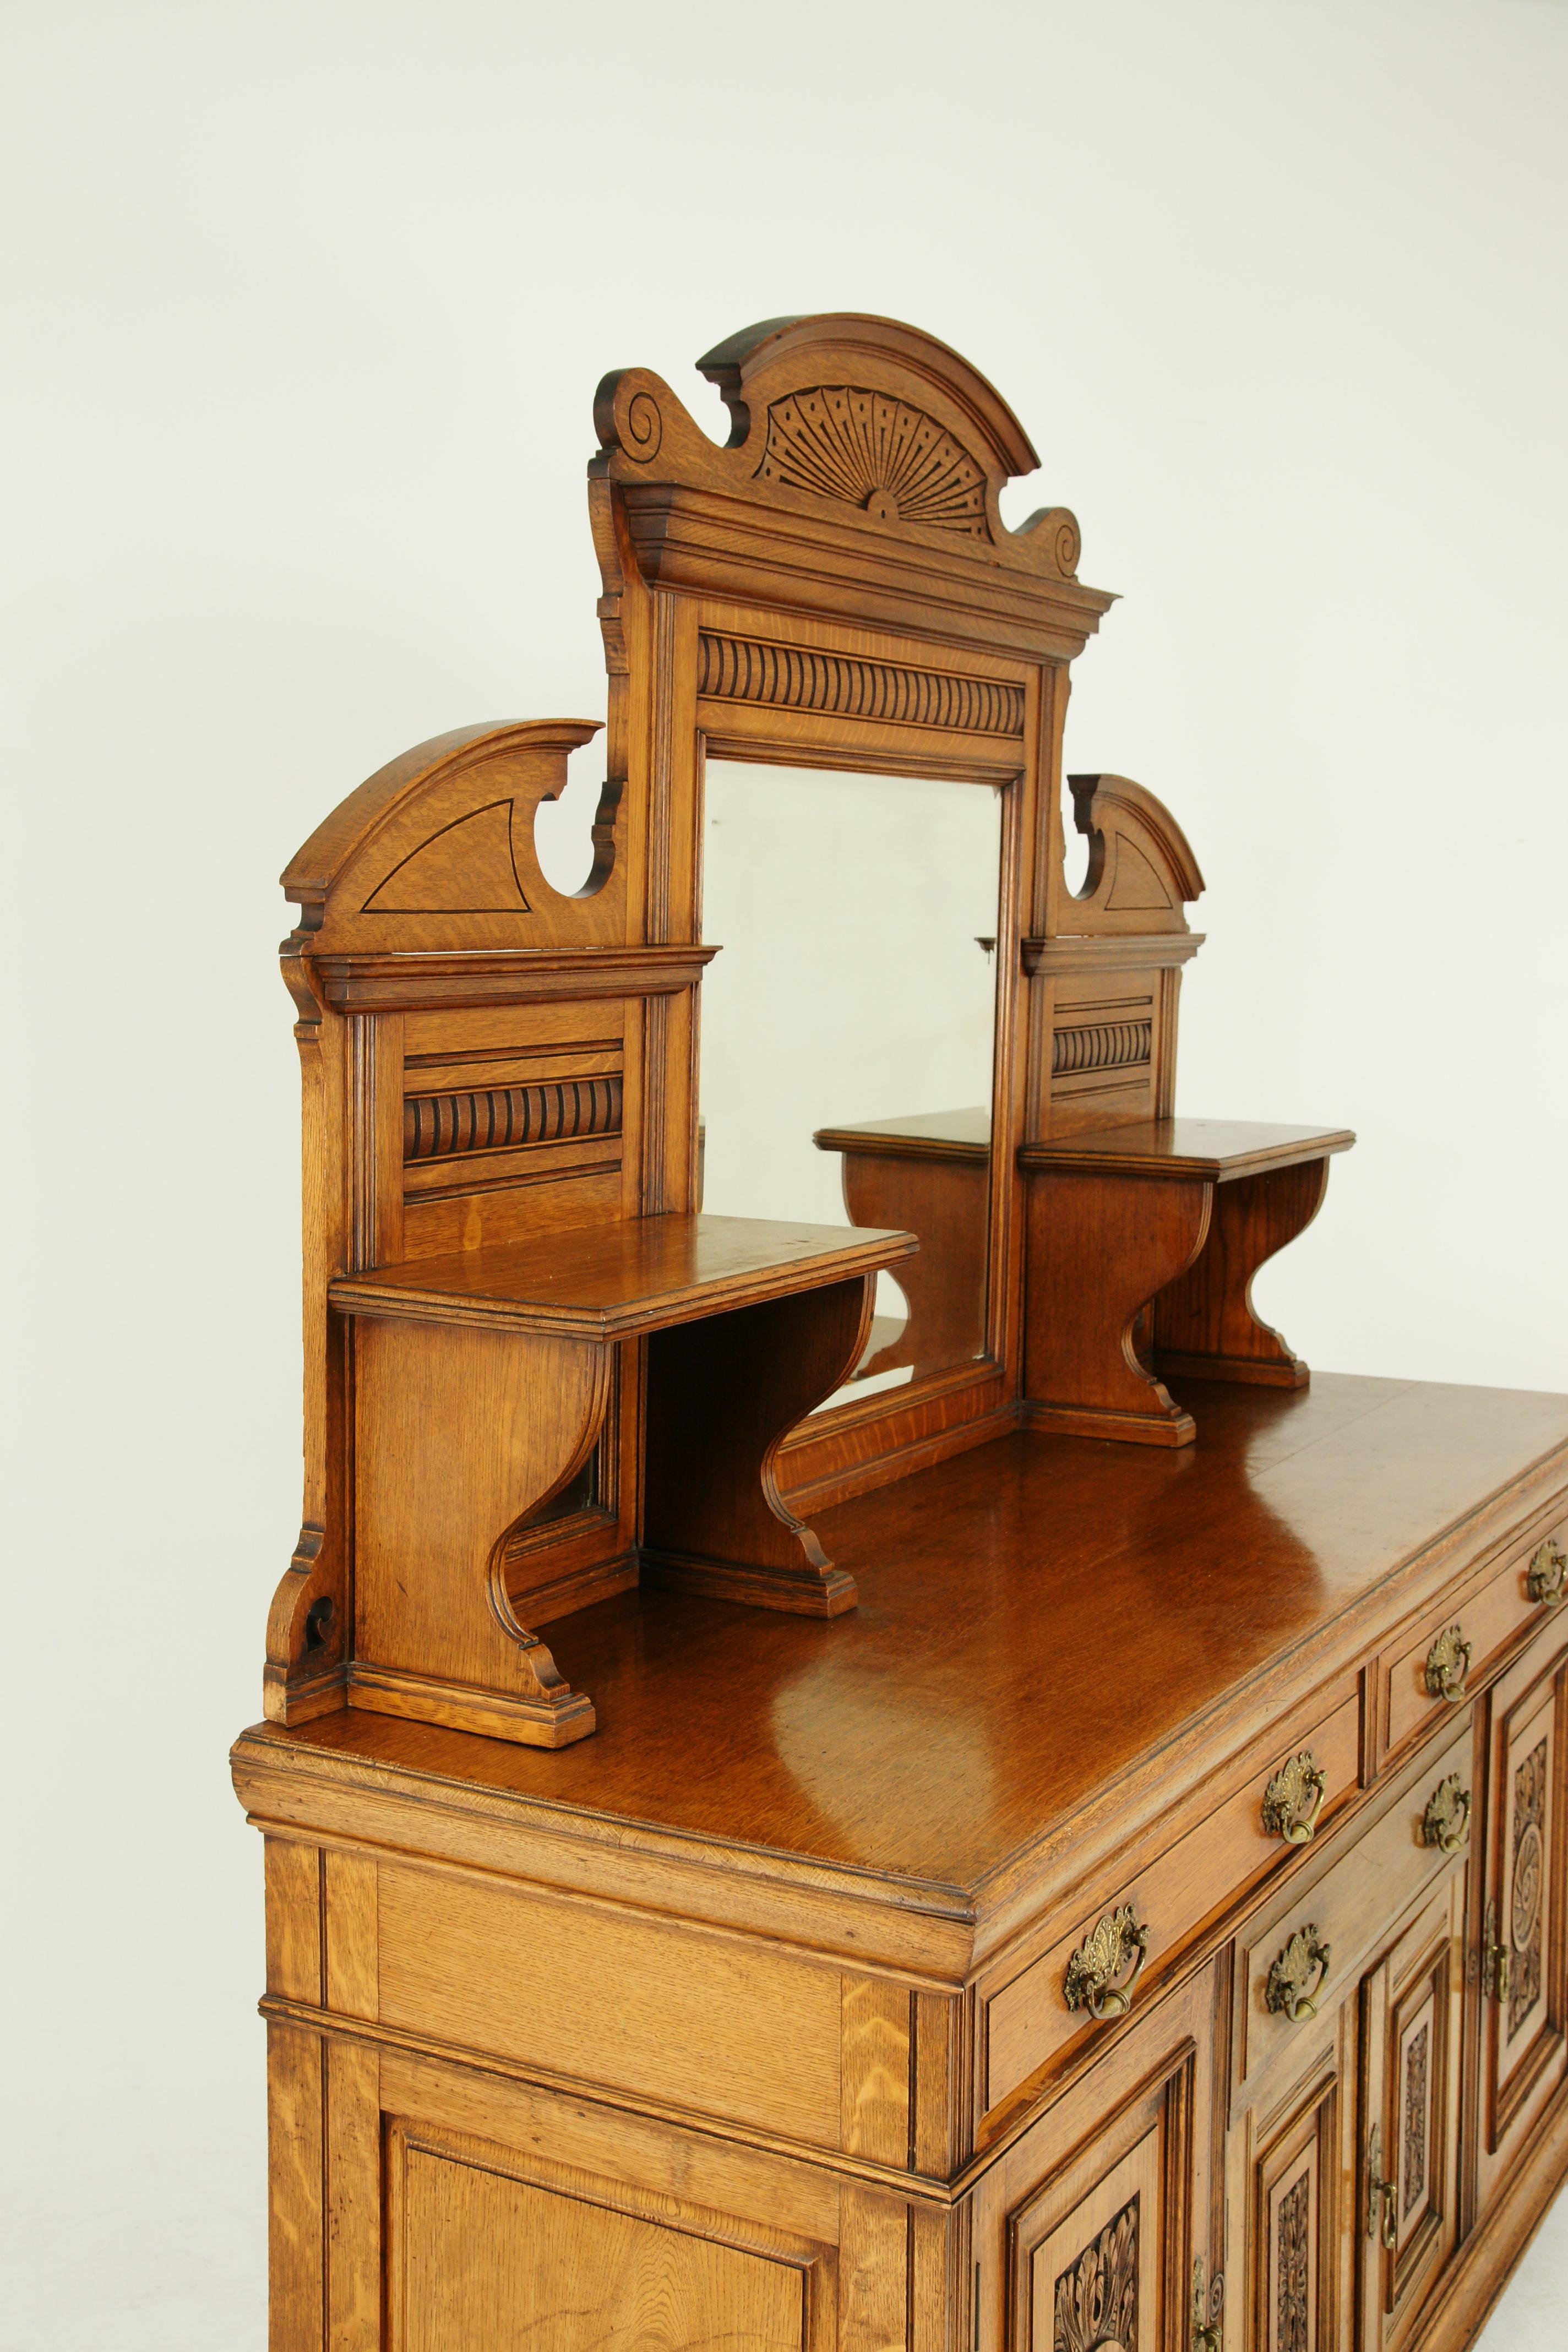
(1051, 538)
(628, 413)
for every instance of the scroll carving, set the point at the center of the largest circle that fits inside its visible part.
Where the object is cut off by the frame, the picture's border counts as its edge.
(861, 414)
(790, 677)
(1096, 2299)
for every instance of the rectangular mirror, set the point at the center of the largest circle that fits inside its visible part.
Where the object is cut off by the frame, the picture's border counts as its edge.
(848, 1031)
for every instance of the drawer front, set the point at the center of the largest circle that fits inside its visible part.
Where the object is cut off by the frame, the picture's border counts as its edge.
(1488, 1616)
(1028, 2022)
(1346, 1906)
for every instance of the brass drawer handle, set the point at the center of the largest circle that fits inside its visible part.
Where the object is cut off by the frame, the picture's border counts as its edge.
(1294, 1798)
(1382, 2219)
(1297, 1977)
(1546, 1579)
(1446, 1823)
(1207, 2333)
(1116, 1948)
(1448, 1663)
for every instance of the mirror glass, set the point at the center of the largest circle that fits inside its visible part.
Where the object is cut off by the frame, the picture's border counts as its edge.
(848, 1031)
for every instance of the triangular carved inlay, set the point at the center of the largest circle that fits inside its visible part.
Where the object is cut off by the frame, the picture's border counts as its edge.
(466, 868)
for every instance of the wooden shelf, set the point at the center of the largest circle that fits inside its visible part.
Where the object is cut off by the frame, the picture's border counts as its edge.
(1188, 1151)
(930, 1135)
(613, 1281)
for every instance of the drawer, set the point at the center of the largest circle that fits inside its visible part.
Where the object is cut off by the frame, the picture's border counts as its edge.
(1382, 1865)
(1028, 2022)
(1488, 1614)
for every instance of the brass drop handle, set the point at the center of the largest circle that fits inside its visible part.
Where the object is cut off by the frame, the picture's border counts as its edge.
(1496, 1958)
(1546, 1579)
(1297, 1977)
(1103, 1970)
(1294, 1798)
(1448, 1664)
(1207, 2333)
(1381, 2218)
(1446, 1823)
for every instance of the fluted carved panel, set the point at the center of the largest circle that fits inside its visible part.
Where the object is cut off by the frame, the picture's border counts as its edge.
(1101, 1045)
(504, 1119)
(738, 669)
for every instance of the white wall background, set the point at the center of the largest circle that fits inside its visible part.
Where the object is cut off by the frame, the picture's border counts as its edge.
(306, 308)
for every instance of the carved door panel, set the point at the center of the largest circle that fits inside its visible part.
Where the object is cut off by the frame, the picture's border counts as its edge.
(1523, 1921)
(1087, 2233)
(1411, 2025)
(1291, 2153)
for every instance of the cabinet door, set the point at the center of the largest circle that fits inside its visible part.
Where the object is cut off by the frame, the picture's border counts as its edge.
(1411, 2026)
(1523, 1926)
(1291, 2158)
(1087, 2232)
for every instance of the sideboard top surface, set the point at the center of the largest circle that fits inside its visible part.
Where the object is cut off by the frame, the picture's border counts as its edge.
(1040, 1619)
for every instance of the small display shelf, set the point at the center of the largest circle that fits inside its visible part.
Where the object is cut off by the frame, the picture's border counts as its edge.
(612, 1282)
(483, 1385)
(1144, 1240)
(1190, 1150)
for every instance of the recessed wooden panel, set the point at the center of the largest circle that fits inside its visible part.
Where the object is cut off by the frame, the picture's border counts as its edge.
(484, 2260)
(515, 1118)
(704, 2024)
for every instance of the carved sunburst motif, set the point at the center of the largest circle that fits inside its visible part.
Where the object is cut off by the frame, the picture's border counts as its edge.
(877, 453)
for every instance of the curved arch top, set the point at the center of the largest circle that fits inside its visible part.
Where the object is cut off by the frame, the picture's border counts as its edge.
(855, 441)
(835, 339)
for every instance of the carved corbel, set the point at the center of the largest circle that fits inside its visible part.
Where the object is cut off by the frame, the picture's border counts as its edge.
(1203, 1324)
(723, 1396)
(1098, 1252)
(459, 1435)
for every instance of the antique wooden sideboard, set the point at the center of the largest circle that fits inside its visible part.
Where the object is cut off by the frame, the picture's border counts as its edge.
(893, 1780)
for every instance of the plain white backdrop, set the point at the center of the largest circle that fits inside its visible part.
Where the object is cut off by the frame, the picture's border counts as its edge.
(306, 305)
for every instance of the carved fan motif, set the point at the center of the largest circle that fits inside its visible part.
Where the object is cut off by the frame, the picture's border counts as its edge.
(877, 453)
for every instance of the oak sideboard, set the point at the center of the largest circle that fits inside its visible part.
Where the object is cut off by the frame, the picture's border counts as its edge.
(856, 1756)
